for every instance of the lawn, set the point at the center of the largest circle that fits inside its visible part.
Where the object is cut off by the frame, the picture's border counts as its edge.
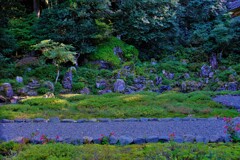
(114, 105)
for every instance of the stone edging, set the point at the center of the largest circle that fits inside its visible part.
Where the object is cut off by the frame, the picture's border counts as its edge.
(57, 120)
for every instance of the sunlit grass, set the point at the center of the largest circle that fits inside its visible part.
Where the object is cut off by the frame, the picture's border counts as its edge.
(115, 105)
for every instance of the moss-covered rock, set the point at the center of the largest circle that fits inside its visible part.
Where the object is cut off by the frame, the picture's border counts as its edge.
(115, 50)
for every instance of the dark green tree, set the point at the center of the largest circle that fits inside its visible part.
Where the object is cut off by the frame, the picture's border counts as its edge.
(76, 22)
(150, 25)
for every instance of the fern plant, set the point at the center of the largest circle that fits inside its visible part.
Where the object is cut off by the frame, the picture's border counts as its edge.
(57, 52)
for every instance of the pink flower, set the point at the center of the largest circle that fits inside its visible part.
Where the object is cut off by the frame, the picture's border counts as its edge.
(112, 133)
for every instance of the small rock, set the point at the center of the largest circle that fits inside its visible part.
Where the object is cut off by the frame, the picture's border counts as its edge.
(118, 120)
(188, 138)
(178, 139)
(67, 80)
(87, 140)
(152, 139)
(39, 120)
(85, 91)
(19, 79)
(54, 120)
(205, 70)
(7, 88)
(119, 85)
(101, 84)
(32, 93)
(139, 141)
(68, 121)
(131, 120)
(163, 139)
(82, 120)
(7, 121)
(19, 120)
(113, 140)
(125, 140)
(214, 138)
(104, 119)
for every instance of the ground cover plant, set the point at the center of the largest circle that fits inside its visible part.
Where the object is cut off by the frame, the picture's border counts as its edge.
(115, 105)
(52, 151)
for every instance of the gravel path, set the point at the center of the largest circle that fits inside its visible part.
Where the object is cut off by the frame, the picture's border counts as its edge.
(229, 100)
(205, 128)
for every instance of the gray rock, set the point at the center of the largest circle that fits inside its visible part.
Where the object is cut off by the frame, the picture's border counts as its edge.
(131, 120)
(152, 139)
(188, 138)
(101, 84)
(7, 88)
(32, 93)
(139, 141)
(183, 87)
(19, 79)
(205, 70)
(7, 121)
(125, 140)
(165, 88)
(186, 76)
(214, 138)
(92, 120)
(23, 91)
(96, 140)
(87, 140)
(68, 121)
(143, 119)
(4, 138)
(163, 139)
(211, 74)
(178, 139)
(82, 120)
(119, 85)
(74, 142)
(233, 86)
(118, 120)
(85, 91)
(39, 120)
(113, 140)
(158, 80)
(104, 119)
(67, 80)
(19, 120)
(54, 120)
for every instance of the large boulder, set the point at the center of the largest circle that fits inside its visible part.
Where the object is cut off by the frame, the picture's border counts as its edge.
(205, 70)
(67, 80)
(6, 88)
(119, 85)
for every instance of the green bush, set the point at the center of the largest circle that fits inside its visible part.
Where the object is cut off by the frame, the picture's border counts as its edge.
(105, 51)
(77, 86)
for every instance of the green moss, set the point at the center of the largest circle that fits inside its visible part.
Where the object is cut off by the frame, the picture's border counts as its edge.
(115, 105)
(146, 151)
(105, 51)
(78, 86)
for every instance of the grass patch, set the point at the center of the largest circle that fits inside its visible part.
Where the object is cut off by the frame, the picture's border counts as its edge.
(101, 152)
(115, 105)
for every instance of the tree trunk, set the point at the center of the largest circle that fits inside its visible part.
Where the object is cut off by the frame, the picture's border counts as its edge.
(36, 7)
(213, 61)
(58, 72)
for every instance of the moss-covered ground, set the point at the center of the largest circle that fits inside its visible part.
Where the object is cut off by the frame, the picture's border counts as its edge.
(114, 105)
(106, 152)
